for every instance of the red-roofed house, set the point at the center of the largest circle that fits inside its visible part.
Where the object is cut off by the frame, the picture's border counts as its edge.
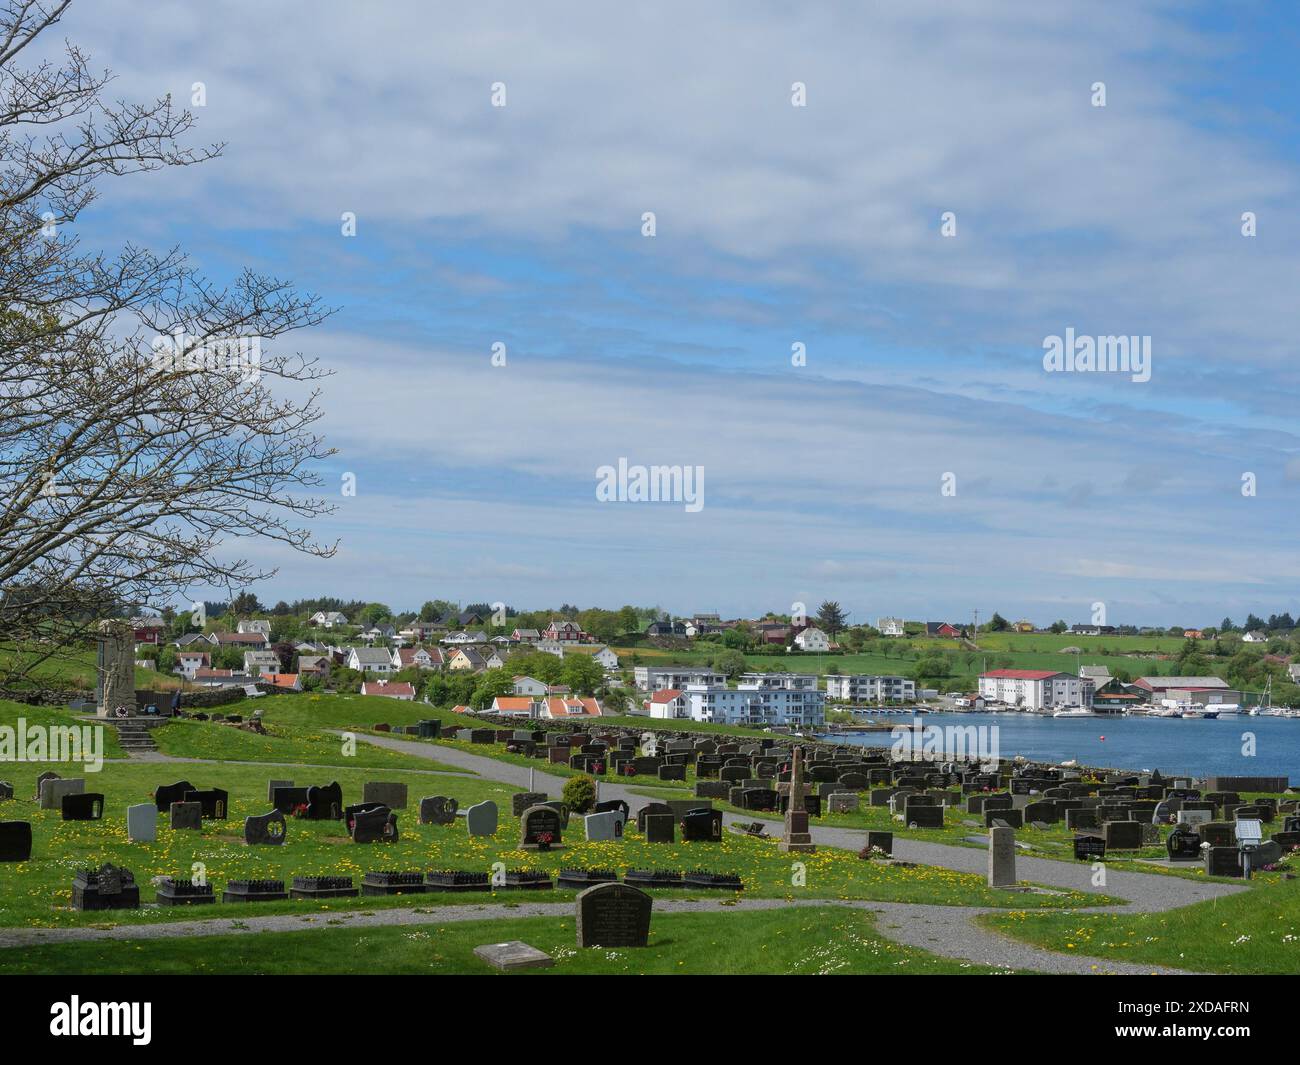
(1032, 689)
(670, 702)
(518, 705)
(289, 682)
(559, 709)
(391, 689)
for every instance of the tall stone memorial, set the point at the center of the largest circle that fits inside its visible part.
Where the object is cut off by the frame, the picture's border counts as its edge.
(115, 667)
(796, 836)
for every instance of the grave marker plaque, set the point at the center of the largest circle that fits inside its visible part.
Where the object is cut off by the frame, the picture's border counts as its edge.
(613, 915)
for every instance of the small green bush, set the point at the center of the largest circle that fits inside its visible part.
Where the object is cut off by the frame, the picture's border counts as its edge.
(580, 794)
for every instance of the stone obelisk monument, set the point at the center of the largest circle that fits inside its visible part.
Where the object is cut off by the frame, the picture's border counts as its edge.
(116, 667)
(796, 836)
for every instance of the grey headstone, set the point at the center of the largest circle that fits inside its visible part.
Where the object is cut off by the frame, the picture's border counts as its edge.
(1002, 857)
(142, 823)
(392, 794)
(52, 791)
(508, 957)
(481, 819)
(602, 828)
(187, 815)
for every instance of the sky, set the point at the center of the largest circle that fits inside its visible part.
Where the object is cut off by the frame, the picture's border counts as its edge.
(919, 460)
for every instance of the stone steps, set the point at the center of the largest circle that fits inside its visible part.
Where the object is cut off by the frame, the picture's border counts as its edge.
(133, 735)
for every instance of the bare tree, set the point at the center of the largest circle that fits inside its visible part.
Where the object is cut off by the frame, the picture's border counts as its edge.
(144, 419)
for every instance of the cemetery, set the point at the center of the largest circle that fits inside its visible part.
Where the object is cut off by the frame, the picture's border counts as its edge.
(147, 841)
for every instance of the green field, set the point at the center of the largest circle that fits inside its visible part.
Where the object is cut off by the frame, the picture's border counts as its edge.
(1257, 931)
(811, 941)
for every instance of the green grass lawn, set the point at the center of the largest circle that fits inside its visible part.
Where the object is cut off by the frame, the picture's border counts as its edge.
(1253, 932)
(298, 744)
(812, 941)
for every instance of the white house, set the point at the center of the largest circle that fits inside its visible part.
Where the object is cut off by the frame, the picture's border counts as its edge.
(667, 703)
(329, 619)
(419, 657)
(257, 661)
(530, 686)
(189, 662)
(1255, 636)
(812, 639)
(1033, 689)
(261, 625)
(370, 660)
(890, 626)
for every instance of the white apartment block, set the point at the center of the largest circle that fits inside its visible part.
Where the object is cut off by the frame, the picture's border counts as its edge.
(657, 678)
(788, 681)
(1033, 689)
(871, 689)
(756, 706)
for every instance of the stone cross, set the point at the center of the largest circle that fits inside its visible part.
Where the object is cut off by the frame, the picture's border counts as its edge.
(116, 667)
(796, 836)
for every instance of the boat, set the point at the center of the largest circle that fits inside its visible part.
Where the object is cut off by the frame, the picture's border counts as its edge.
(1199, 715)
(1074, 711)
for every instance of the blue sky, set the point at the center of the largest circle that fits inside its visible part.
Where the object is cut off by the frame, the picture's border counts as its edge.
(775, 225)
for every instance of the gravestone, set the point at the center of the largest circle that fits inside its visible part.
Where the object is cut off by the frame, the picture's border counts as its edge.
(391, 794)
(186, 815)
(15, 841)
(617, 806)
(522, 800)
(268, 828)
(40, 781)
(110, 888)
(842, 802)
(539, 829)
(649, 809)
(1002, 858)
(1193, 817)
(142, 823)
(603, 827)
(796, 838)
(659, 828)
(1081, 818)
(168, 793)
(881, 841)
(1183, 845)
(613, 915)
(1123, 835)
(701, 826)
(923, 816)
(481, 819)
(324, 803)
(438, 810)
(289, 799)
(1222, 861)
(1089, 848)
(214, 802)
(672, 772)
(512, 956)
(1009, 818)
(375, 825)
(1217, 834)
(53, 791)
(271, 785)
(84, 806)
